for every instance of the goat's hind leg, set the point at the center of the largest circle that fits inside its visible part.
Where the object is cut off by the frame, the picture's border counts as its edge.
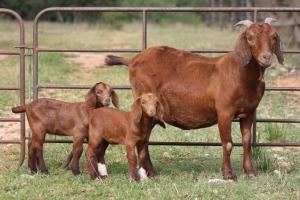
(32, 158)
(101, 160)
(68, 160)
(77, 151)
(40, 160)
(36, 151)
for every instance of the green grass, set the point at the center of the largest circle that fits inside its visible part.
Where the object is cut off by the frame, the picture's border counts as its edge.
(183, 171)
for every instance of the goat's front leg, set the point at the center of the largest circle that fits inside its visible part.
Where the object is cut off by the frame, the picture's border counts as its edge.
(132, 162)
(77, 151)
(224, 124)
(245, 126)
(101, 160)
(145, 161)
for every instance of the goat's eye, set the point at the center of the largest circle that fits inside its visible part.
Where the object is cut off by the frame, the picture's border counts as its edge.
(98, 92)
(249, 38)
(273, 40)
(143, 102)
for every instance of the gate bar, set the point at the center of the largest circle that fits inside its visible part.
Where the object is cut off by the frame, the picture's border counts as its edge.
(144, 11)
(21, 88)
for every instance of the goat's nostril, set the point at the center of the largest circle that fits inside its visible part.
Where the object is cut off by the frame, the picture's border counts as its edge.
(267, 56)
(152, 111)
(107, 100)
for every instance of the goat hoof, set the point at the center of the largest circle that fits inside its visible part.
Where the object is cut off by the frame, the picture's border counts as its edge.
(230, 177)
(250, 173)
(152, 174)
(135, 179)
(76, 172)
(103, 176)
(33, 171)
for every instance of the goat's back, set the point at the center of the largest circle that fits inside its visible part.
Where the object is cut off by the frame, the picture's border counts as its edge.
(113, 125)
(56, 116)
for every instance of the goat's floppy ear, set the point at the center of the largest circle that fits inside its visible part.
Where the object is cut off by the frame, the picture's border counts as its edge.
(136, 110)
(242, 52)
(160, 111)
(115, 99)
(278, 49)
(90, 99)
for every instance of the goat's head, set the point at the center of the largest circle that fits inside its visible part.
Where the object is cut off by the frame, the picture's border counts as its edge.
(259, 41)
(100, 95)
(149, 104)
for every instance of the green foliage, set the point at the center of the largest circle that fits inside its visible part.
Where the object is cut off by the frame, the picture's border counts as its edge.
(30, 8)
(275, 132)
(262, 160)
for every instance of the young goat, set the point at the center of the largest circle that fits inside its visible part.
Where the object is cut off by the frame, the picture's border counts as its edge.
(198, 91)
(62, 118)
(111, 126)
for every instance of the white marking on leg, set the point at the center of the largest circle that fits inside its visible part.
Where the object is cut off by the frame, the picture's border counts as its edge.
(102, 169)
(229, 146)
(143, 174)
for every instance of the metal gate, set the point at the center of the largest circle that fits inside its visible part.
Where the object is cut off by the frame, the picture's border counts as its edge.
(145, 10)
(20, 87)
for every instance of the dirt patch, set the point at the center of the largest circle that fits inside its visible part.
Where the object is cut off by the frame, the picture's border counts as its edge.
(87, 60)
(3, 57)
(293, 81)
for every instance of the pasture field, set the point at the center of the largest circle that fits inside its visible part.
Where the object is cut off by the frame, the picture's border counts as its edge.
(184, 172)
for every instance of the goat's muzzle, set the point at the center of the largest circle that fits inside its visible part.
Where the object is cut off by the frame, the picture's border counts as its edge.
(265, 59)
(106, 101)
(151, 112)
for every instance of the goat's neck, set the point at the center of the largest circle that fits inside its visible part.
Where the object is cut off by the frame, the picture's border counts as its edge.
(144, 126)
(253, 74)
(146, 122)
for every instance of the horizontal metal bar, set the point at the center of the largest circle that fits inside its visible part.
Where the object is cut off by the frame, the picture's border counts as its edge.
(9, 53)
(9, 88)
(10, 142)
(57, 86)
(282, 89)
(217, 144)
(159, 143)
(170, 9)
(279, 120)
(46, 86)
(87, 50)
(139, 50)
(10, 119)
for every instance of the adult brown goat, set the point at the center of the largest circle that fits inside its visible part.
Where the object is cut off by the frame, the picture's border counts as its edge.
(112, 126)
(62, 118)
(198, 91)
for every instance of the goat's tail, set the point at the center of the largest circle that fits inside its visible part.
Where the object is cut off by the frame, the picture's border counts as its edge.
(18, 109)
(116, 60)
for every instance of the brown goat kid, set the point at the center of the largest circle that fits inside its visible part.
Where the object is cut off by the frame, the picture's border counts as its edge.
(198, 91)
(62, 118)
(112, 126)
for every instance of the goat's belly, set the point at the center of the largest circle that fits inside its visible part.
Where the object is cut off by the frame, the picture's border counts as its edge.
(192, 120)
(189, 126)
